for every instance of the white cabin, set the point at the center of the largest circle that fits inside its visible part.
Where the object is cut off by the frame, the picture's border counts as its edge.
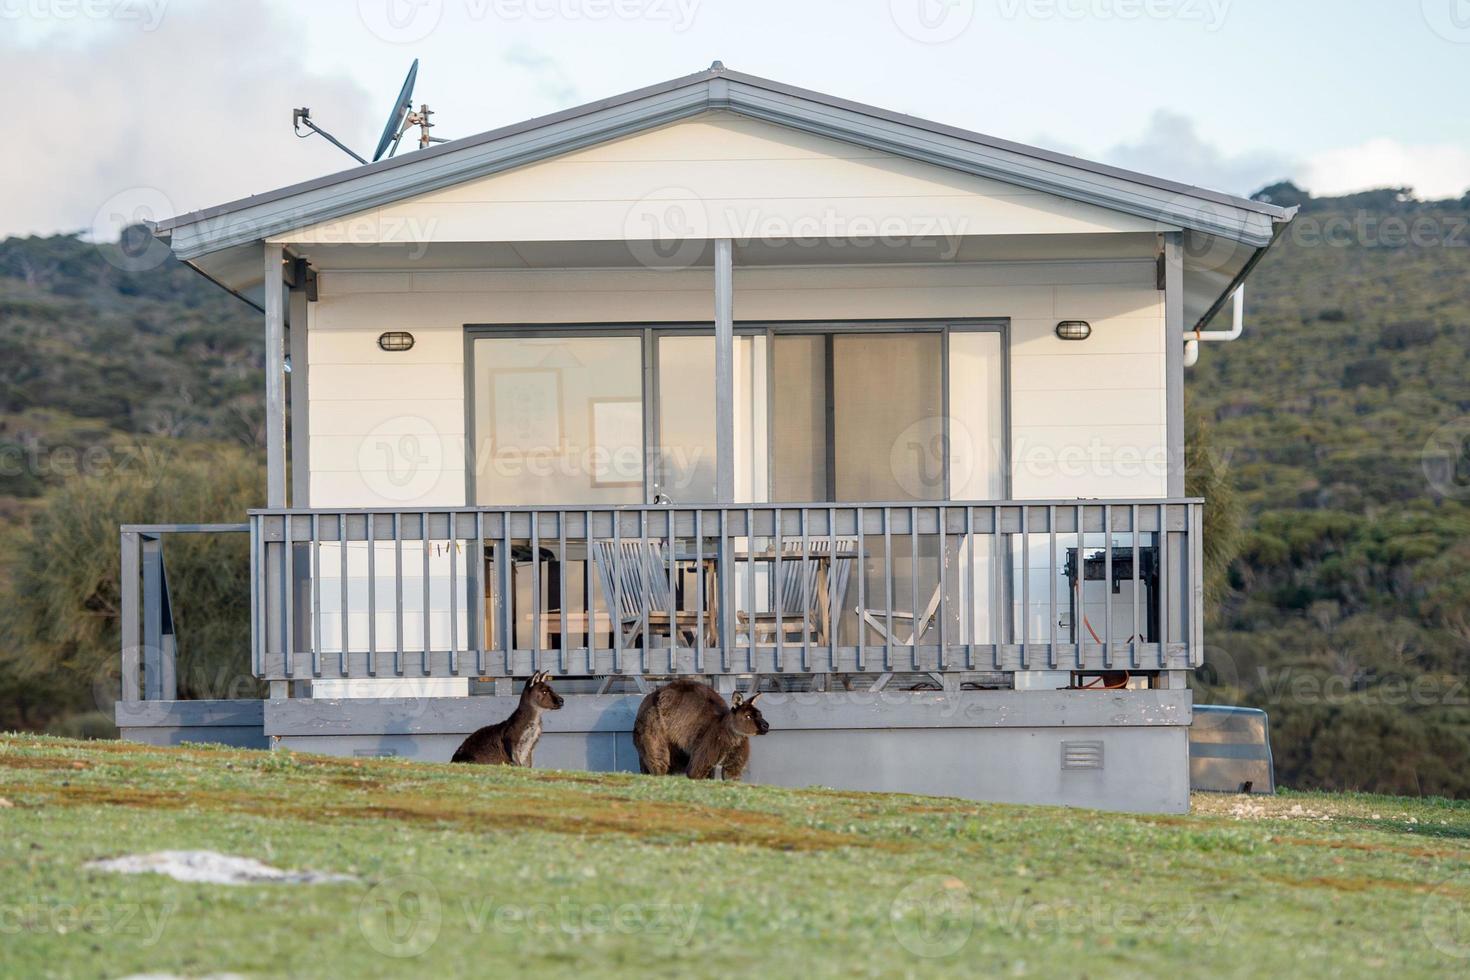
(727, 378)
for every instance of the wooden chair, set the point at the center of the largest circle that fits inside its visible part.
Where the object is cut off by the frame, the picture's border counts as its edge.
(806, 599)
(918, 623)
(635, 576)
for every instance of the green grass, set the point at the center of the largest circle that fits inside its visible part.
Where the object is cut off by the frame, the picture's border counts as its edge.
(486, 870)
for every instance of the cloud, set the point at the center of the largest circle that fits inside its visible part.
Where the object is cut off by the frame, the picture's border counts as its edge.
(548, 77)
(1171, 147)
(127, 122)
(1433, 170)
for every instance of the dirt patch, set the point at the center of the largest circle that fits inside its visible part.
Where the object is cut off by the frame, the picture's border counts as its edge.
(1420, 852)
(953, 811)
(12, 760)
(558, 813)
(356, 782)
(555, 776)
(1357, 884)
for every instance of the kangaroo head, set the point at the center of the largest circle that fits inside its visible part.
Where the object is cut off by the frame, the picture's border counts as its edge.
(538, 692)
(745, 717)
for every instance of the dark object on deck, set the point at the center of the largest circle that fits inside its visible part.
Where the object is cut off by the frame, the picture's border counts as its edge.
(686, 727)
(513, 741)
(1230, 750)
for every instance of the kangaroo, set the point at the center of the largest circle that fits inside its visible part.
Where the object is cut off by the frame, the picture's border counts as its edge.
(512, 742)
(687, 727)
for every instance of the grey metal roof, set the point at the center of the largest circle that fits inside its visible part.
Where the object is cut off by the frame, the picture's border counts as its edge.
(718, 88)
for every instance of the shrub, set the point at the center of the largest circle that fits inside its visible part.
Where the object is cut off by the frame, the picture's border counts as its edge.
(60, 628)
(1370, 372)
(1406, 334)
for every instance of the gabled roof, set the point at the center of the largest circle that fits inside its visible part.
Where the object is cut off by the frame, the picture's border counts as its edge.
(1172, 204)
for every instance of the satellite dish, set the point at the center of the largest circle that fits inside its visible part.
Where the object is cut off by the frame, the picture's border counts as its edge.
(400, 121)
(401, 109)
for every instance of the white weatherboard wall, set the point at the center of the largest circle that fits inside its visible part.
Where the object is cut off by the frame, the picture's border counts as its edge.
(387, 430)
(1087, 418)
(721, 175)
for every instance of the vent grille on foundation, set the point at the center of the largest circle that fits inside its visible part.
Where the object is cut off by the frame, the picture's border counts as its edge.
(1082, 755)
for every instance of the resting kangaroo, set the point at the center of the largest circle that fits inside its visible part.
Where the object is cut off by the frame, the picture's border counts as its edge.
(687, 727)
(511, 742)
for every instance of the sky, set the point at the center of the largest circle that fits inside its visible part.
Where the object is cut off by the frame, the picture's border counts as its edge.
(128, 109)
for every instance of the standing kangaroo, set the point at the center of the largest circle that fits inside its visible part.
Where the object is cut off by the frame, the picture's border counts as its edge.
(512, 742)
(687, 727)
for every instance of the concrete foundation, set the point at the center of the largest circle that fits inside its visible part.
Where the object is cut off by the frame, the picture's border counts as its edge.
(1111, 750)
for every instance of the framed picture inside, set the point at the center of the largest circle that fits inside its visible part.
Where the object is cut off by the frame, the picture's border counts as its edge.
(616, 426)
(526, 409)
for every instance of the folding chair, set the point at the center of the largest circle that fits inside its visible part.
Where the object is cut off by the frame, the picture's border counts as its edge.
(803, 610)
(635, 574)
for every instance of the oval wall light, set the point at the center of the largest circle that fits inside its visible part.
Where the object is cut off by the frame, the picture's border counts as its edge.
(1074, 330)
(395, 341)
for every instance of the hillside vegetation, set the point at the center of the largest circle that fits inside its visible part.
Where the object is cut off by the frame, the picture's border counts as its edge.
(1342, 419)
(1339, 426)
(475, 871)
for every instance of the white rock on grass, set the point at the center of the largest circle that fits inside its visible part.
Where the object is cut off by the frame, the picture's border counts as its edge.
(210, 867)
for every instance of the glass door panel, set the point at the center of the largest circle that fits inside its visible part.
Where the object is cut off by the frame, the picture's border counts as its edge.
(558, 420)
(686, 418)
(859, 416)
(887, 416)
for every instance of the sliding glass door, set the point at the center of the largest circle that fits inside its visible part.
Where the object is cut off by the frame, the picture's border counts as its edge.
(622, 416)
(626, 415)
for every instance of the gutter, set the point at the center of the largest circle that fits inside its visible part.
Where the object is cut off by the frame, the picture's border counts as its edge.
(1235, 293)
(166, 236)
(1191, 346)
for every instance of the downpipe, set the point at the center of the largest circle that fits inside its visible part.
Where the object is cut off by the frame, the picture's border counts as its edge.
(1237, 326)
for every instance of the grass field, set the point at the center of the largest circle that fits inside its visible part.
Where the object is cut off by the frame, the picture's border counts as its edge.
(485, 871)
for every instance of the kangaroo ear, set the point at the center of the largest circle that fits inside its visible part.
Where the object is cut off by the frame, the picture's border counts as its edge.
(737, 699)
(751, 699)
